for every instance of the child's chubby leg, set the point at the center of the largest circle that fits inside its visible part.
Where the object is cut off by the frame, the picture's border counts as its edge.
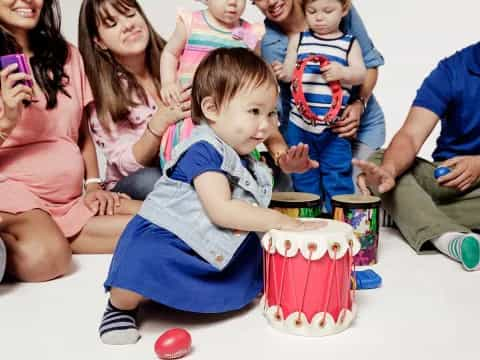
(463, 247)
(119, 324)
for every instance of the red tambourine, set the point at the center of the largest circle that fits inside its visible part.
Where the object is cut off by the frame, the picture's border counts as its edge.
(299, 96)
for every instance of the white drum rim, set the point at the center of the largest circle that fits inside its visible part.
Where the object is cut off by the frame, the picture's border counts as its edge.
(310, 329)
(336, 248)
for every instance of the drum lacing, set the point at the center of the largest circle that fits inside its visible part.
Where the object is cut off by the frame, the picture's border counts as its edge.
(266, 272)
(352, 268)
(311, 248)
(288, 245)
(335, 248)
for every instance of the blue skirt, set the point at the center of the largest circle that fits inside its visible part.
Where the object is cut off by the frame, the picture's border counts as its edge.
(156, 264)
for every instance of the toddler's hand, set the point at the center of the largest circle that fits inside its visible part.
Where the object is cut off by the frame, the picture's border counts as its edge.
(171, 93)
(296, 160)
(333, 72)
(170, 114)
(293, 224)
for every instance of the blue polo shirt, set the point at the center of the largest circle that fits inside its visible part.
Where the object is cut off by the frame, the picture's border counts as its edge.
(452, 91)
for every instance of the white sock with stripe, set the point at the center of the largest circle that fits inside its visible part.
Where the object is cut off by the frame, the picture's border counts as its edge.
(464, 248)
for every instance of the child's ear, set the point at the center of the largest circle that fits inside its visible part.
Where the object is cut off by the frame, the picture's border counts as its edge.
(346, 8)
(209, 108)
(100, 44)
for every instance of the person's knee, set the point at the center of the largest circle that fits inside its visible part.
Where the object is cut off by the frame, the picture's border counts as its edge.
(42, 261)
(139, 184)
(147, 179)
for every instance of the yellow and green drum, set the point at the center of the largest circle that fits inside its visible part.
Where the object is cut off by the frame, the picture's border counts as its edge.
(297, 204)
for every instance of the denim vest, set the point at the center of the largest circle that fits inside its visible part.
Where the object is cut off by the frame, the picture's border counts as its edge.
(175, 206)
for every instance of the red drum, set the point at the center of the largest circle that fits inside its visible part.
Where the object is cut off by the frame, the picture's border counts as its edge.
(307, 279)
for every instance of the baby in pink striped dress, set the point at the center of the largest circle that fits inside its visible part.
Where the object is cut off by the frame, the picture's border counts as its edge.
(196, 34)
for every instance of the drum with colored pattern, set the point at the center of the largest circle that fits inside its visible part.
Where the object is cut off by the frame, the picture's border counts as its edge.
(362, 213)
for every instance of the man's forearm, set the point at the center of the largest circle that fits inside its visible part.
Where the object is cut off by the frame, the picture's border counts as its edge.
(368, 84)
(399, 155)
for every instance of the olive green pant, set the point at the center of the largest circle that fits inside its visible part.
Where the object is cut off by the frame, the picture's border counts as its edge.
(423, 210)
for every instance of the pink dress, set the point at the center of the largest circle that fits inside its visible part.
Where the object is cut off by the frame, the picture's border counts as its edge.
(41, 166)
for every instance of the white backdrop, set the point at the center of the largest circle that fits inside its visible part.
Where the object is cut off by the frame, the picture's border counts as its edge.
(413, 36)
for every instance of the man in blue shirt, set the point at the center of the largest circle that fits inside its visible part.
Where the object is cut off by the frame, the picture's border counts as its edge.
(439, 211)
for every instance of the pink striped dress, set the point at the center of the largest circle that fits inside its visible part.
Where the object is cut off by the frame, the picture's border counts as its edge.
(203, 37)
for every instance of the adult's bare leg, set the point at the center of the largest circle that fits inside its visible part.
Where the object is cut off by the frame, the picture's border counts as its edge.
(99, 235)
(36, 247)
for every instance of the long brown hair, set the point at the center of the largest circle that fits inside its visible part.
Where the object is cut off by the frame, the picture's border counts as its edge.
(50, 51)
(114, 87)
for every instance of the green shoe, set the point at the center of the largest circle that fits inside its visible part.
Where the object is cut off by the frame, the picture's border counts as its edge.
(470, 252)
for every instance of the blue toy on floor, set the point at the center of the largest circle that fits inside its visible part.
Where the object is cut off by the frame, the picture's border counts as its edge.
(367, 279)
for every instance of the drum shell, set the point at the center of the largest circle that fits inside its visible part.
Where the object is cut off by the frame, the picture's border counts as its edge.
(364, 218)
(307, 279)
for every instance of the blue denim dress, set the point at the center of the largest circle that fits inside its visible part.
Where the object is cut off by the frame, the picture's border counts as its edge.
(154, 262)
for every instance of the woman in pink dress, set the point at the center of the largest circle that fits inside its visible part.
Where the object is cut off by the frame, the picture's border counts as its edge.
(46, 151)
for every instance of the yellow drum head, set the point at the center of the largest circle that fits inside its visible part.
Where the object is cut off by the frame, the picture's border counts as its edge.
(297, 204)
(294, 199)
(356, 199)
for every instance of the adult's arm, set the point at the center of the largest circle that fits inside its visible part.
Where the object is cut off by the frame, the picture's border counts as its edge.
(347, 126)
(129, 153)
(352, 23)
(430, 105)
(12, 93)
(400, 154)
(406, 144)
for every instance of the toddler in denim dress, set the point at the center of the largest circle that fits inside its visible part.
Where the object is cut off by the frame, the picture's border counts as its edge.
(194, 245)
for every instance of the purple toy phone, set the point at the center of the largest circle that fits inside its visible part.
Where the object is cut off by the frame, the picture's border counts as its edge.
(22, 65)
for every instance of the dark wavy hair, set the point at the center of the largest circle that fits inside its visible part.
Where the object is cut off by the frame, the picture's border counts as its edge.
(50, 51)
(115, 89)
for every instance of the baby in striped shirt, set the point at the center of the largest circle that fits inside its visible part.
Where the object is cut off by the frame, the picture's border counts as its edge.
(322, 37)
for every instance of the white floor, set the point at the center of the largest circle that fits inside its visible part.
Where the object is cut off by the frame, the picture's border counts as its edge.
(428, 308)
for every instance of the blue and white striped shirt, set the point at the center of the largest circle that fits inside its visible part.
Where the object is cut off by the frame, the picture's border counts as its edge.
(317, 92)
